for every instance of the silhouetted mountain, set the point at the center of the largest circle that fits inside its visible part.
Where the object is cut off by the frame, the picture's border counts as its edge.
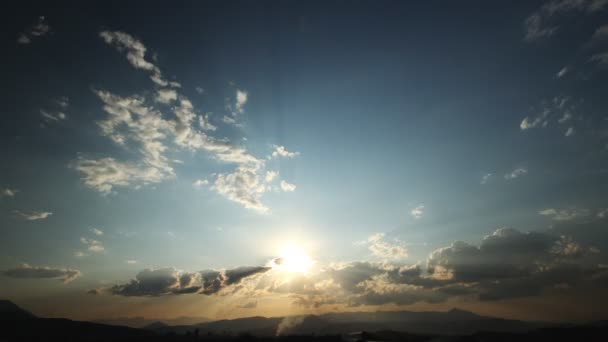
(451, 322)
(155, 325)
(140, 322)
(10, 310)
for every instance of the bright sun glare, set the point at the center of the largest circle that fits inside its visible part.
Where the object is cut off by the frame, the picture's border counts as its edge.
(293, 259)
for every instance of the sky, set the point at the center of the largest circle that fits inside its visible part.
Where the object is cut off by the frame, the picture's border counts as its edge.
(226, 159)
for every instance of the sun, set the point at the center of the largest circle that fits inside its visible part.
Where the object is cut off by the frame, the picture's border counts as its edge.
(293, 259)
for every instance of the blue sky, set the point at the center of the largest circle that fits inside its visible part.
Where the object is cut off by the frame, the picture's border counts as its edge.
(347, 136)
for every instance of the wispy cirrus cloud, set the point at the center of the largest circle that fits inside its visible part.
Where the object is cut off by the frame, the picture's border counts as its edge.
(133, 123)
(567, 214)
(40, 29)
(33, 215)
(26, 271)
(544, 22)
(516, 173)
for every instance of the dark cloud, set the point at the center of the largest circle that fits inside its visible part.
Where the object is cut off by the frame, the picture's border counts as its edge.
(27, 271)
(169, 280)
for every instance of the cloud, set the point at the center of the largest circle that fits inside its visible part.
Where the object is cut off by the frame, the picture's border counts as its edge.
(135, 125)
(243, 186)
(199, 90)
(562, 72)
(602, 213)
(543, 22)
(165, 281)
(600, 58)
(270, 176)
(569, 132)
(93, 245)
(417, 212)
(166, 95)
(199, 183)
(486, 178)
(106, 173)
(97, 231)
(287, 187)
(26, 271)
(8, 192)
(281, 151)
(39, 30)
(516, 173)
(33, 215)
(135, 52)
(55, 116)
(131, 261)
(381, 247)
(565, 214)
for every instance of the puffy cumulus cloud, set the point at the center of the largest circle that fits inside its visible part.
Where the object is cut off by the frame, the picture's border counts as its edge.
(33, 215)
(165, 281)
(270, 176)
(384, 248)
(241, 100)
(166, 96)
(287, 187)
(516, 173)
(199, 183)
(507, 264)
(417, 212)
(26, 271)
(543, 22)
(565, 214)
(40, 29)
(281, 151)
(243, 186)
(8, 192)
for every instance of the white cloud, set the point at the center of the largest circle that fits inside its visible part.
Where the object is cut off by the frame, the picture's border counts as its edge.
(106, 173)
(270, 176)
(602, 213)
(567, 116)
(564, 214)
(281, 151)
(39, 30)
(382, 248)
(516, 173)
(241, 100)
(228, 120)
(33, 215)
(93, 245)
(79, 254)
(131, 261)
(287, 187)
(166, 95)
(199, 90)
(243, 186)
(569, 132)
(486, 178)
(8, 192)
(97, 231)
(417, 212)
(200, 183)
(136, 52)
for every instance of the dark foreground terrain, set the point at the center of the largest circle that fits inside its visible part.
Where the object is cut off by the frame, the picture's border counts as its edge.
(17, 324)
